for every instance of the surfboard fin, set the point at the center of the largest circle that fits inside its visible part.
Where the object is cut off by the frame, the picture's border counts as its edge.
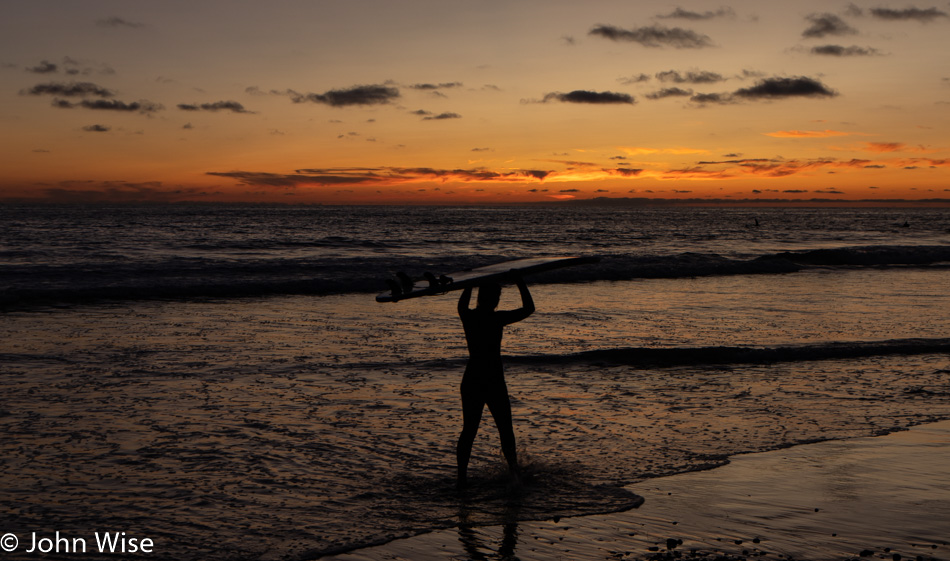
(405, 282)
(433, 282)
(394, 288)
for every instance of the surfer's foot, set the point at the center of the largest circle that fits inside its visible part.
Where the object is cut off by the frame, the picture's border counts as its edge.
(515, 480)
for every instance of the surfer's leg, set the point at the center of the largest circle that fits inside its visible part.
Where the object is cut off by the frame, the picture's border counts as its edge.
(472, 405)
(500, 406)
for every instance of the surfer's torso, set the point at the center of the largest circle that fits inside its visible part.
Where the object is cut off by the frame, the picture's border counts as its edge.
(483, 332)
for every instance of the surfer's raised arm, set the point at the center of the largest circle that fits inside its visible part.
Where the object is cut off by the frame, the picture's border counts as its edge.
(527, 303)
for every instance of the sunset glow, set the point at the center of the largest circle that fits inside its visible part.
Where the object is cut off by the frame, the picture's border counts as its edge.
(443, 103)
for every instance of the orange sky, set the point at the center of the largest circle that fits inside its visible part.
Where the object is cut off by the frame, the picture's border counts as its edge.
(435, 102)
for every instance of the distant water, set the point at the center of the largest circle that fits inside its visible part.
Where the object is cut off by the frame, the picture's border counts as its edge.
(220, 378)
(76, 254)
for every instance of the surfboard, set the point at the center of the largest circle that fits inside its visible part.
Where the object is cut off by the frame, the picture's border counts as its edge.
(404, 287)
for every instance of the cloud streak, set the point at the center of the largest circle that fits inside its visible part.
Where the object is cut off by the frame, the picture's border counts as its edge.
(908, 14)
(392, 176)
(823, 25)
(773, 88)
(770, 89)
(231, 106)
(442, 117)
(73, 89)
(44, 67)
(144, 106)
(680, 13)
(357, 95)
(654, 36)
(776, 168)
(430, 87)
(669, 92)
(590, 97)
(115, 21)
(691, 77)
(379, 175)
(841, 51)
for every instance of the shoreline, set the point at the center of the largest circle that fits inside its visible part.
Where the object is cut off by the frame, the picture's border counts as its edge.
(787, 503)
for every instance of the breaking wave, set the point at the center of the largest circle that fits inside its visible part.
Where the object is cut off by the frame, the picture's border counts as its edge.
(27, 284)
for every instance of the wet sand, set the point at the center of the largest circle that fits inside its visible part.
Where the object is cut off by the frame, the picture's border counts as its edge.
(885, 497)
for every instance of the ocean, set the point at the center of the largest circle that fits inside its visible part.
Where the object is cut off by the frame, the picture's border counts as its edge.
(219, 379)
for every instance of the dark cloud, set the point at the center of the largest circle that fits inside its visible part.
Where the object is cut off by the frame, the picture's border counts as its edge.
(823, 25)
(481, 149)
(357, 95)
(232, 106)
(44, 67)
(915, 14)
(669, 92)
(585, 96)
(96, 128)
(442, 116)
(115, 21)
(266, 179)
(74, 89)
(680, 13)
(769, 89)
(739, 162)
(442, 86)
(627, 172)
(701, 77)
(655, 36)
(718, 98)
(360, 176)
(838, 50)
(143, 106)
(775, 88)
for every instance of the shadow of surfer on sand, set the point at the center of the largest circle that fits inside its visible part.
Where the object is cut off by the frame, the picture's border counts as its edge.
(484, 380)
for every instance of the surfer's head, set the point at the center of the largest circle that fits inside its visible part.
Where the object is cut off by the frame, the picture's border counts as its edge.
(488, 296)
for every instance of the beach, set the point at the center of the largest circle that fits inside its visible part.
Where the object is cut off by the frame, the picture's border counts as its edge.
(284, 425)
(883, 497)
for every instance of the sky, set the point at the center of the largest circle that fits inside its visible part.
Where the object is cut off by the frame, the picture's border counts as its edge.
(442, 102)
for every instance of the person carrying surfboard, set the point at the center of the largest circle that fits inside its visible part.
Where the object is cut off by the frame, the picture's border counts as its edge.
(484, 380)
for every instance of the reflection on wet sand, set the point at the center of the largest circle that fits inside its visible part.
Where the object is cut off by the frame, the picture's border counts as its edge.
(877, 497)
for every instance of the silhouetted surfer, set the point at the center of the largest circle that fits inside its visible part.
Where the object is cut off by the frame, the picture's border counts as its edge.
(484, 380)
